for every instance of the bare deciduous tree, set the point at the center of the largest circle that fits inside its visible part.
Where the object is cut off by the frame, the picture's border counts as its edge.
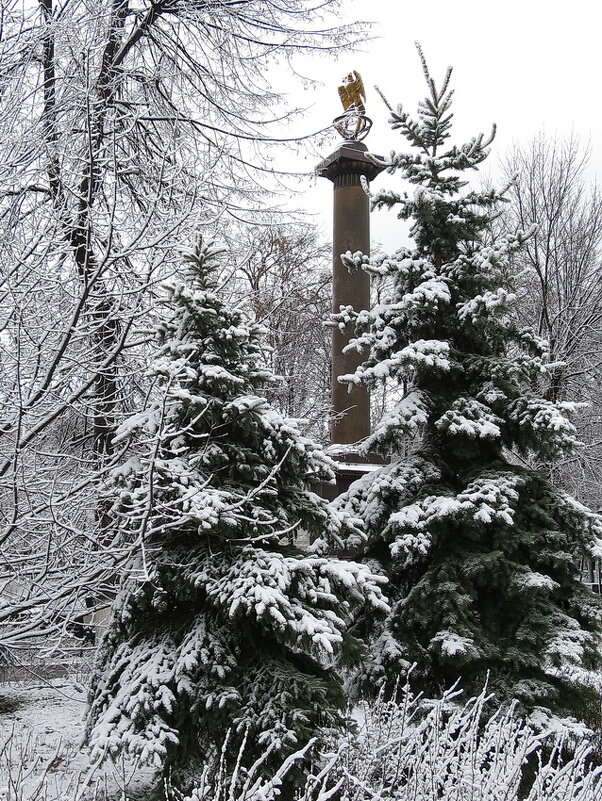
(560, 283)
(282, 275)
(123, 128)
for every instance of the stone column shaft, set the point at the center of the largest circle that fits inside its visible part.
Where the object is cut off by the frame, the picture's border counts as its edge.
(351, 231)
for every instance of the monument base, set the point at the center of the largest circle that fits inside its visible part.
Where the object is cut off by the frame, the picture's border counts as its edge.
(350, 466)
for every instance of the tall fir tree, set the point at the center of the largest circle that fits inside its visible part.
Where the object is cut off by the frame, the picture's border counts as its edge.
(223, 625)
(482, 551)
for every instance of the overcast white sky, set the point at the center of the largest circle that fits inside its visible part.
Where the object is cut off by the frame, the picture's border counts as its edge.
(527, 66)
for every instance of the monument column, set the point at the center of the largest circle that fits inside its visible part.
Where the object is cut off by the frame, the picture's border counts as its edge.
(346, 167)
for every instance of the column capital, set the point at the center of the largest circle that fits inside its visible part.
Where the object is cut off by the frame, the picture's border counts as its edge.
(348, 163)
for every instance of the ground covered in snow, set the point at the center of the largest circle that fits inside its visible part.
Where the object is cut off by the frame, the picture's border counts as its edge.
(41, 758)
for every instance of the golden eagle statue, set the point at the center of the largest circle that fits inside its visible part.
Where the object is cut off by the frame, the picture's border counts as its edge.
(352, 93)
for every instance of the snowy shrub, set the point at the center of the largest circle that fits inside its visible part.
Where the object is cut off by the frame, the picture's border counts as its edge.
(459, 751)
(403, 750)
(410, 750)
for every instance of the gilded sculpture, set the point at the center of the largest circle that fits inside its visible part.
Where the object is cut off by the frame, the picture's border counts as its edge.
(353, 125)
(352, 93)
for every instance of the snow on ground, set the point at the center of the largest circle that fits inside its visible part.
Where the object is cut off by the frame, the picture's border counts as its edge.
(451, 752)
(41, 758)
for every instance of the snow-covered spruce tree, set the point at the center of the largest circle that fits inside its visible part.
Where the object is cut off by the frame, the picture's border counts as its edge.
(482, 553)
(223, 624)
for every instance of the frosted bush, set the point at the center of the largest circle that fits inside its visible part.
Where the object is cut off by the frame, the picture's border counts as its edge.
(403, 750)
(412, 750)
(36, 766)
